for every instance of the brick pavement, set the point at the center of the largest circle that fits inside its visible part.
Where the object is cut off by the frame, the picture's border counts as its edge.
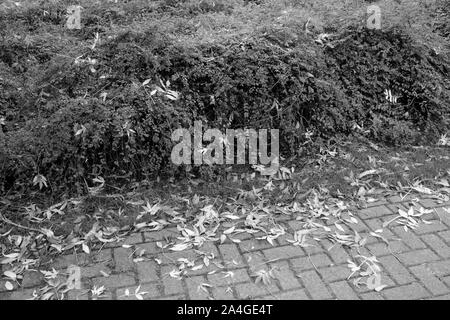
(415, 266)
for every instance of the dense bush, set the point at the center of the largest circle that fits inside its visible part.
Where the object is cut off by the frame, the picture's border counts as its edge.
(74, 119)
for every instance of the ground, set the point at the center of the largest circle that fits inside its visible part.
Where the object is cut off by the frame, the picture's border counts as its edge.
(416, 265)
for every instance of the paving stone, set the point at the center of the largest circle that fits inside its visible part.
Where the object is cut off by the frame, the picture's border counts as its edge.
(296, 225)
(230, 255)
(123, 259)
(174, 297)
(396, 270)
(209, 248)
(382, 249)
(132, 239)
(285, 276)
(428, 203)
(372, 296)
(410, 239)
(444, 297)
(417, 257)
(335, 273)
(314, 285)
(227, 278)
(444, 215)
(307, 263)
(21, 294)
(374, 212)
(99, 262)
(160, 235)
(395, 199)
(149, 247)
(432, 283)
(171, 285)
(343, 291)
(375, 224)
(314, 248)
(435, 226)
(78, 294)
(440, 268)
(299, 294)
(151, 290)
(64, 261)
(147, 271)
(114, 281)
(195, 293)
(446, 280)
(437, 245)
(445, 235)
(221, 293)
(253, 244)
(32, 279)
(284, 252)
(413, 291)
(256, 261)
(251, 290)
(171, 257)
(336, 252)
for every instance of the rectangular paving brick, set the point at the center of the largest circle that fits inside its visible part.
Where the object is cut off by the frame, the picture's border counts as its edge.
(256, 261)
(432, 283)
(428, 203)
(151, 290)
(440, 268)
(336, 252)
(435, 226)
(314, 285)
(195, 292)
(307, 263)
(124, 262)
(114, 281)
(95, 270)
(160, 235)
(253, 244)
(413, 291)
(231, 256)
(445, 235)
(410, 239)
(78, 294)
(285, 276)
(382, 249)
(400, 274)
(374, 212)
(32, 279)
(227, 278)
(444, 215)
(147, 271)
(133, 239)
(313, 248)
(170, 257)
(437, 245)
(343, 291)
(251, 290)
(64, 261)
(372, 296)
(335, 273)
(223, 293)
(299, 294)
(284, 252)
(417, 257)
(444, 297)
(171, 285)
